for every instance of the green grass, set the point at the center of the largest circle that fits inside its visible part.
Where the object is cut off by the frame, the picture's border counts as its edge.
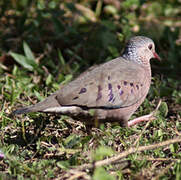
(44, 45)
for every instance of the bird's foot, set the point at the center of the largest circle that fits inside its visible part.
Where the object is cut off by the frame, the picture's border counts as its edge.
(148, 117)
(135, 121)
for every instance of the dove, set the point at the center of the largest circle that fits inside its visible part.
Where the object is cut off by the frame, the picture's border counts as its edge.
(110, 92)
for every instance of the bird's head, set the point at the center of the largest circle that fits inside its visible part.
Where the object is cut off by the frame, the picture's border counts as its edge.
(140, 49)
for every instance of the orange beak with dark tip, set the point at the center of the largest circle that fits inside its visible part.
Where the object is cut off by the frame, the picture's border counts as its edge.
(156, 56)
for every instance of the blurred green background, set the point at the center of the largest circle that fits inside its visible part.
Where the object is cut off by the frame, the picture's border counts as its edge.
(45, 43)
(88, 31)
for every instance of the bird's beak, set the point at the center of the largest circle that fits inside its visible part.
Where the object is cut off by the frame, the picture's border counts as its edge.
(156, 56)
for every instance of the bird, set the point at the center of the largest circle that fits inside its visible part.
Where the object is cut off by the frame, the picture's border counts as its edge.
(109, 92)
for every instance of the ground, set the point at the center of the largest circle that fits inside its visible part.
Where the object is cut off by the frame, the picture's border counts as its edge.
(45, 45)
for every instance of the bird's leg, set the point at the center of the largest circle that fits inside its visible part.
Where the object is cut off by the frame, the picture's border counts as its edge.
(135, 121)
(147, 117)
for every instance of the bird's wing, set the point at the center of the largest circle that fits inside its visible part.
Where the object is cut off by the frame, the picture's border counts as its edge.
(115, 84)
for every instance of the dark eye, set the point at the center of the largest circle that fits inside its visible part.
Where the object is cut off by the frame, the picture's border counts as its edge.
(150, 46)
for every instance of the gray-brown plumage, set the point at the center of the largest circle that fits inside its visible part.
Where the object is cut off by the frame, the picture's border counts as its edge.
(114, 90)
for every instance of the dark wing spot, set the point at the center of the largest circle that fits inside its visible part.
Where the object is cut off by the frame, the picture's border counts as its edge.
(108, 77)
(119, 86)
(111, 96)
(110, 86)
(125, 83)
(137, 87)
(76, 97)
(83, 90)
(121, 92)
(91, 83)
(99, 94)
(131, 84)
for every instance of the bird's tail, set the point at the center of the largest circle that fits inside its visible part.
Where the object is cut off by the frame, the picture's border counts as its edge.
(49, 102)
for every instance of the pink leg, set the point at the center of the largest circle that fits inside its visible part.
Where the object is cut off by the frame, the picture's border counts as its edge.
(147, 117)
(135, 121)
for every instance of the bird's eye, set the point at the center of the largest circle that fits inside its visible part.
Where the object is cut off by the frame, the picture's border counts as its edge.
(150, 46)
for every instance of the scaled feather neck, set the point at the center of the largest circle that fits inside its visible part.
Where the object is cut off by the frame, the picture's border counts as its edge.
(132, 58)
(131, 54)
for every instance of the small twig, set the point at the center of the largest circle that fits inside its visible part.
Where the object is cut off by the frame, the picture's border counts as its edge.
(148, 123)
(48, 50)
(128, 152)
(40, 57)
(4, 67)
(177, 132)
(79, 174)
(163, 171)
(156, 159)
(76, 123)
(74, 174)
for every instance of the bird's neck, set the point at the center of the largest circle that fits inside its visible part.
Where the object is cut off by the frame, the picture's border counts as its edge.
(131, 54)
(148, 70)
